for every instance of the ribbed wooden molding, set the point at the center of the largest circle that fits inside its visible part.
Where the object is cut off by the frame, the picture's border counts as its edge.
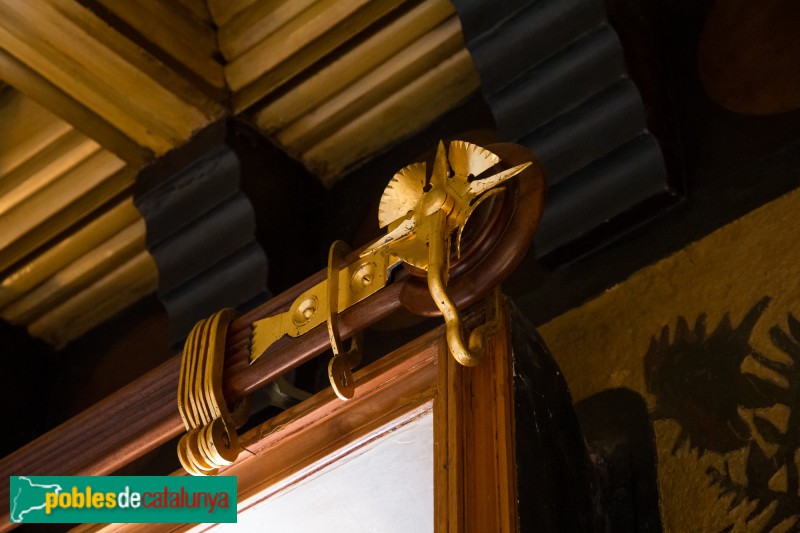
(247, 28)
(65, 153)
(40, 89)
(395, 76)
(398, 116)
(103, 299)
(83, 280)
(98, 67)
(52, 180)
(176, 29)
(129, 81)
(40, 270)
(224, 10)
(348, 68)
(293, 47)
(75, 277)
(389, 77)
(51, 177)
(155, 76)
(76, 193)
(28, 130)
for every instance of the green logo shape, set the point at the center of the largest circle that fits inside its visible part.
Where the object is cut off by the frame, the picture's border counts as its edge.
(122, 499)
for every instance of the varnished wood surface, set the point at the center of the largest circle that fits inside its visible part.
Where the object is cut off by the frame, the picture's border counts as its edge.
(306, 38)
(425, 53)
(336, 82)
(474, 468)
(107, 296)
(333, 82)
(177, 31)
(98, 180)
(345, 70)
(397, 116)
(395, 389)
(68, 250)
(54, 247)
(120, 430)
(75, 277)
(68, 108)
(317, 432)
(242, 31)
(125, 97)
(53, 37)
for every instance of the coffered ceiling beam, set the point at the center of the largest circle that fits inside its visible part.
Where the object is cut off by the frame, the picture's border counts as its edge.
(112, 293)
(294, 46)
(75, 277)
(224, 10)
(39, 89)
(398, 116)
(422, 56)
(174, 30)
(37, 219)
(347, 69)
(100, 68)
(71, 249)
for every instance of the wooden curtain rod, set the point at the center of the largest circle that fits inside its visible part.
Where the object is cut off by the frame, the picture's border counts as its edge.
(143, 415)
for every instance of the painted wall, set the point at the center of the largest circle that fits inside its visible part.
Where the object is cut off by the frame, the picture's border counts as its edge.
(710, 337)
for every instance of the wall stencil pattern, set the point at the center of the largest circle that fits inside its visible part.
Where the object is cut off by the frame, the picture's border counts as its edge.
(710, 337)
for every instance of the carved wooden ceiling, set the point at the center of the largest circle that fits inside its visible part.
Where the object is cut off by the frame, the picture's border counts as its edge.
(96, 89)
(98, 93)
(615, 97)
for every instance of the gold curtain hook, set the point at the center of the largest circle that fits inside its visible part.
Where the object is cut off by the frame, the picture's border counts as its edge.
(340, 367)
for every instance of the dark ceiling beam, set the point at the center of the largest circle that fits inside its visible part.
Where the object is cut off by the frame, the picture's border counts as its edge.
(554, 75)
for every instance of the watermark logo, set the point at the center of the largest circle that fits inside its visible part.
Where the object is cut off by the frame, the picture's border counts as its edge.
(122, 499)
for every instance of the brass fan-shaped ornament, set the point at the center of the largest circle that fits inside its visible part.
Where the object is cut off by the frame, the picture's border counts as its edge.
(402, 194)
(421, 215)
(456, 183)
(420, 212)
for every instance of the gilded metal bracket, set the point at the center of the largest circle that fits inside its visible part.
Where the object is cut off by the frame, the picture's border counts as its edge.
(355, 282)
(211, 440)
(421, 214)
(431, 213)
